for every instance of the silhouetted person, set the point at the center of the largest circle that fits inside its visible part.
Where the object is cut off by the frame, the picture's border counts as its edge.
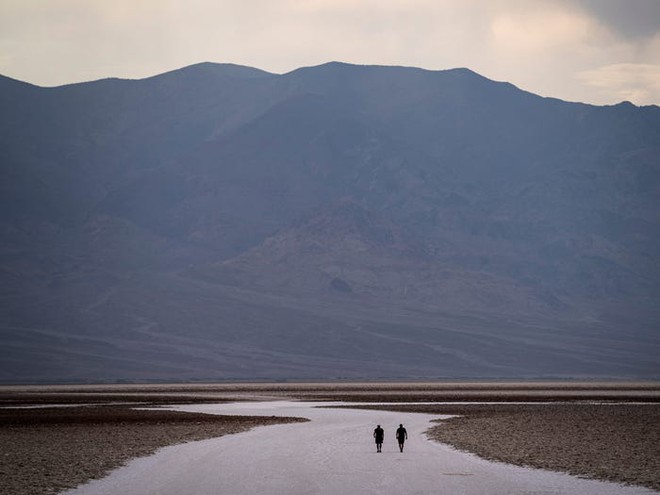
(401, 436)
(379, 434)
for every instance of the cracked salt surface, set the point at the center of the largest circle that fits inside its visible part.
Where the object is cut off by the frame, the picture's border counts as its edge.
(334, 454)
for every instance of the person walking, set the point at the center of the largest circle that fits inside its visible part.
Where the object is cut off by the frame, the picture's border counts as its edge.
(379, 435)
(401, 436)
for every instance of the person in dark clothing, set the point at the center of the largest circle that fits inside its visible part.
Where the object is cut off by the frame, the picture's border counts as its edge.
(379, 435)
(401, 436)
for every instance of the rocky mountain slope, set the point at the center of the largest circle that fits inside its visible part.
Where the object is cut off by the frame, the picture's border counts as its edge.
(339, 221)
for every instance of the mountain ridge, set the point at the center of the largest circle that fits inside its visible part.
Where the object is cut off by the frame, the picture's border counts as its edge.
(220, 67)
(332, 208)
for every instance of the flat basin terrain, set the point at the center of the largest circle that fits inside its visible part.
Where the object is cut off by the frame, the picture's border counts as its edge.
(607, 431)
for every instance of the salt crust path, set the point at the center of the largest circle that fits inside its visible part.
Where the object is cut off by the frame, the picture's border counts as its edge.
(332, 454)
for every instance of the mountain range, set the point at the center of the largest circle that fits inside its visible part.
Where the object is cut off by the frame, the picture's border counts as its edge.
(219, 222)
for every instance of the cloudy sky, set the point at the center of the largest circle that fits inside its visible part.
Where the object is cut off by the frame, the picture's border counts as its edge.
(598, 51)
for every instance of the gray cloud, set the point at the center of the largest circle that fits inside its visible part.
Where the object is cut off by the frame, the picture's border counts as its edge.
(630, 18)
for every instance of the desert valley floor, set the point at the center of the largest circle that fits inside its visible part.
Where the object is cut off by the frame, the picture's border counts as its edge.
(62, 437)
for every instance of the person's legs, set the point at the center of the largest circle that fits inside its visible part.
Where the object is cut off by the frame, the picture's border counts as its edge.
(401, 446)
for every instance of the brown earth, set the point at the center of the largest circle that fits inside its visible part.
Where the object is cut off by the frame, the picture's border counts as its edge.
(612, 442)
(346, 391)
(49, 450)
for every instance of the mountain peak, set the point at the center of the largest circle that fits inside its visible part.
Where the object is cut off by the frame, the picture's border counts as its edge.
(216, 69)
(336, 65)
(8, 82)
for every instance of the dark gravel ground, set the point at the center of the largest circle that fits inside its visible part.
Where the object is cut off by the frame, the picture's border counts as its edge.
(612, 442)
(48, 450)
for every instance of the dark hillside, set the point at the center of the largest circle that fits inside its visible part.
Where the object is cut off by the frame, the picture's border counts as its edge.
(221, 222)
